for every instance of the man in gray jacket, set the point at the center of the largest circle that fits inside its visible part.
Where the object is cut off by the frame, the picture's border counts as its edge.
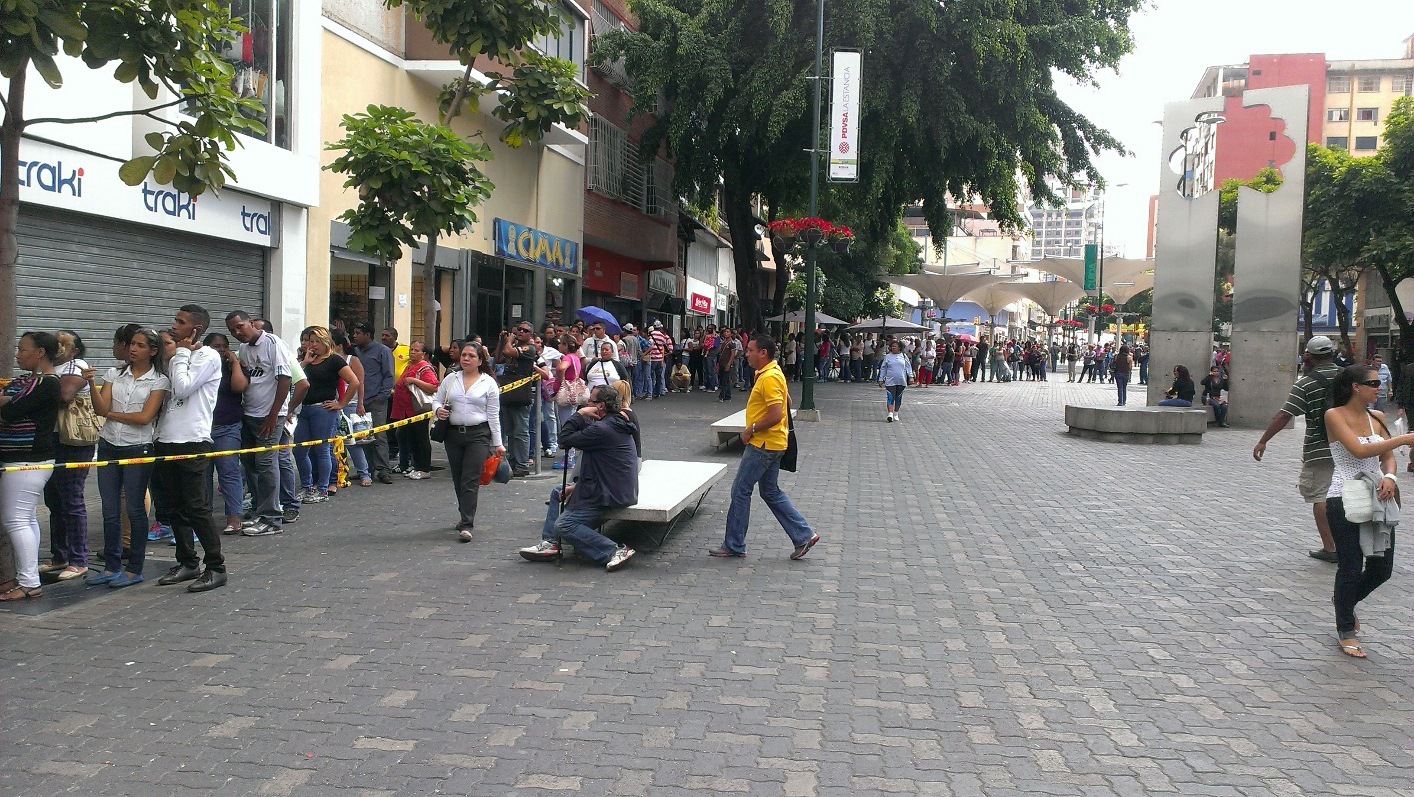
(378, 380)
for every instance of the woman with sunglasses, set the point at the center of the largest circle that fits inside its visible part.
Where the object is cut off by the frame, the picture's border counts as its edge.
(1361, 448)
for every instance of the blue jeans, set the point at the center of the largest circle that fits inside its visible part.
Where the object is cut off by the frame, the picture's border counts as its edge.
(659, 387)
(515, 430)
(115, 481)
(822, 369)
(289, 474)
(573, 527)
(709, 371)
(1122, 385)
(1175, 403)
(227, 470)
(356, 455)
(1219, 408)
(759, 466)
(549, 425)
(315, 462)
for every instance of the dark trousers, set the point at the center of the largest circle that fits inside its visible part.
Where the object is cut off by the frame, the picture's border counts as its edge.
(467, 450)
(724, 384)
(184, 483)
(68, 513)
(415, 445)
(1356, 575)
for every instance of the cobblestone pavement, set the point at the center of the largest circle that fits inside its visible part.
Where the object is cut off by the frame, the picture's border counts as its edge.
(995, 609)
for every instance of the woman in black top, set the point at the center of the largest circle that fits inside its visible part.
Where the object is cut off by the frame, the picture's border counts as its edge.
(319, 413)
(1213, 386)
(1180, 394)
(29, 409)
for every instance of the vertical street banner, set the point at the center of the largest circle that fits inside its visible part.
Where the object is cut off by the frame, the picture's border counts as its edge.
(1092, 265)
(844, 116)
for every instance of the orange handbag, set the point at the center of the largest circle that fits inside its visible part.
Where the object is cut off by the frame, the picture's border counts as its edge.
(488, 470)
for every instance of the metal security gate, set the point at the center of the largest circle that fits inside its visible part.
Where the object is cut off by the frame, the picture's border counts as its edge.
(93, 275)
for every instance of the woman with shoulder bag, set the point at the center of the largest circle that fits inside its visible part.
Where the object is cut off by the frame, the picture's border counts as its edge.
(75, 439)
(129, 400)
(572, 392)
(470, 401)
(413, 443)
(1361, 456)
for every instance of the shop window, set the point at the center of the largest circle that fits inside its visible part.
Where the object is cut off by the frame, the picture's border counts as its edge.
(1338, 85)
(1367, 142)
(262, 60)
(1368, 84)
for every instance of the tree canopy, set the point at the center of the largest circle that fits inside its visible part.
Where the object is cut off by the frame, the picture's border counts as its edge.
(959, 100)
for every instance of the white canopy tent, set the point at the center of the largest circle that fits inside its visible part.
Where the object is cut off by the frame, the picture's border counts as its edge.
(1117, 269)
(994, 298)
(1052, 296)
(945, 289)
(1123, 293)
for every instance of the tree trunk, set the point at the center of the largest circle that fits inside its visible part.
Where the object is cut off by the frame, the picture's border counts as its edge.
(736, 205)
(1308, 303)
(1406, 328)
(10, 216)
(1342, 315)
(429, 298)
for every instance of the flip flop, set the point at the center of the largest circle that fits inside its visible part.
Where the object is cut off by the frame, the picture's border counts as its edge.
(1353, 651)
(25, 593)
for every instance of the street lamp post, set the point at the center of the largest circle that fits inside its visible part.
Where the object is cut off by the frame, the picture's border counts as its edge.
(807, 386)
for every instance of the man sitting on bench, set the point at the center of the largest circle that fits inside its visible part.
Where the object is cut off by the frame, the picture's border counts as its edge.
(608, 437)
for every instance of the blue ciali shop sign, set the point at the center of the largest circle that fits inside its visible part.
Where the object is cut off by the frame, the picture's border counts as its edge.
(530, 245)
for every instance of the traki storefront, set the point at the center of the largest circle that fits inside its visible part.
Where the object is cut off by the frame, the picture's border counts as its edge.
(96, 253)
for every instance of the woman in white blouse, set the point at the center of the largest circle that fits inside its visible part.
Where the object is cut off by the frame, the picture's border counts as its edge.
(471, 401)
(130, 400)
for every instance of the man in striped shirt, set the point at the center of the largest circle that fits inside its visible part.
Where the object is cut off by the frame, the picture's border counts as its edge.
(661, 352)
(1308, 399)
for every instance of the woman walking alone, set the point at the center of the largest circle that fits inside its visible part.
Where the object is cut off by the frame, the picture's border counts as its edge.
(470, 401)
(893, 376)
(29, 408)
(1120, 368)
(1364, 551)
(320, 411)
(63, 494)
(129, 401)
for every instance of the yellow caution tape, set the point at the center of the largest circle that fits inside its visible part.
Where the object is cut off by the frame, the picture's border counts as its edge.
(211, 454)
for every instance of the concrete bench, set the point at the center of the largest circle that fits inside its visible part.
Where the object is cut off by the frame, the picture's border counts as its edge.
(726, 430)
(1146, 425)
(666, 488)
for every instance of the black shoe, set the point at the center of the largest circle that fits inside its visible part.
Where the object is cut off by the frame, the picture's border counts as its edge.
(209, 580)
(290, 515)
(179, 574)
(519, 473)
(385, 478)
(1320, 553)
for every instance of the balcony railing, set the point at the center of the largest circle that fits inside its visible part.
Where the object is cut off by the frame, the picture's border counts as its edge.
(603, 19)
(616, 171)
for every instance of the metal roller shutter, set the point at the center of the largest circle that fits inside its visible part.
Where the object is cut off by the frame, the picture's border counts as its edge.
(93, 275)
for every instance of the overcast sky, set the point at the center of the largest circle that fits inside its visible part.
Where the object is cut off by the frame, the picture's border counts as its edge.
(1175, 40)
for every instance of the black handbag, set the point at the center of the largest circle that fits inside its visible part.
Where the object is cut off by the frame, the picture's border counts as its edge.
(792, 447)
(439, 430)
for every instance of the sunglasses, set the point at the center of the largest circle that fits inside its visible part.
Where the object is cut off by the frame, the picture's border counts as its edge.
(1369, 382)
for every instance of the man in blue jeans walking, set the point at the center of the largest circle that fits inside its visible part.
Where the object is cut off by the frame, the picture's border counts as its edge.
(765, 440)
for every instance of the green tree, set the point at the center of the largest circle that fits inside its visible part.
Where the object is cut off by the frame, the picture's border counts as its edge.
(420, 180)
(168, 47)
(959, 100)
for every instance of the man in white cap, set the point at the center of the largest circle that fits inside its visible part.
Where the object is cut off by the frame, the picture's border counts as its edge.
(1308, 399)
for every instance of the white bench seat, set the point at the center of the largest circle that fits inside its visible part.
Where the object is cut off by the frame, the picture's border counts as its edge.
(730, 428)
(666, 488)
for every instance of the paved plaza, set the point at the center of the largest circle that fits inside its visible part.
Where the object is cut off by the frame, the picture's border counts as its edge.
(994, 609)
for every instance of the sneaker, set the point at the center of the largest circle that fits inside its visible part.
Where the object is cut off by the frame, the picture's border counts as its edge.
(159, 531)
(620, 558)
(261, 529)
(889, 417)
(417, 475)
(802, 550)
(290, 515)
(315, 497)
(726, 552)
(230, 530)
(541, 551)
(401, 470)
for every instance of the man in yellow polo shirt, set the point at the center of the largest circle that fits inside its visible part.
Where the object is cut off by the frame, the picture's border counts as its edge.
(765, 441)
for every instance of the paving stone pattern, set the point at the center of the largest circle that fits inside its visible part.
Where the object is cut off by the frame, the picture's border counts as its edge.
(995, 609)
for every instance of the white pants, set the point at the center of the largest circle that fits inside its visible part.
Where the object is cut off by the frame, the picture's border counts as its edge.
(20, 494)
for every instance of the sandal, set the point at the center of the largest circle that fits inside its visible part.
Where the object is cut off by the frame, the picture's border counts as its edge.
(464, 535)
(1353, 650)
(365, 483)
(22, 594)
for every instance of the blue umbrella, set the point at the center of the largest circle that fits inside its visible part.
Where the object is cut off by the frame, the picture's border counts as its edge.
(598, 315)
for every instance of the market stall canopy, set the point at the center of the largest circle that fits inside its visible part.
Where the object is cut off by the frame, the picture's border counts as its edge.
(994, 298)
(798, 317)
(887, 324)
(1052, 296)
(1123, 293)
(944, 289)
(1117, 269)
